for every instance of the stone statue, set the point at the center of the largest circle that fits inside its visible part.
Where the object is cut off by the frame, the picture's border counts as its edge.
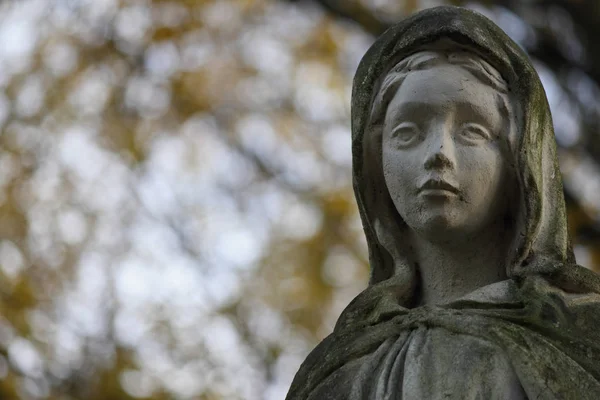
(474, 290)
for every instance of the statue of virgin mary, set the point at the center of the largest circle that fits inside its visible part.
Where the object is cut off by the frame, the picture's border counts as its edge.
(474, 290)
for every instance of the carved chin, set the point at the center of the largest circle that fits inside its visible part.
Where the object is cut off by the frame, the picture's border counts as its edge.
(438, 223)
(437, 226)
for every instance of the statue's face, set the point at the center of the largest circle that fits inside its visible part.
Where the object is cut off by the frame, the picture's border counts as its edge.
(442, 159)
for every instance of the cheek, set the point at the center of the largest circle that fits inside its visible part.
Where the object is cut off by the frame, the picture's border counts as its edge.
(399, 171)
(484, 171)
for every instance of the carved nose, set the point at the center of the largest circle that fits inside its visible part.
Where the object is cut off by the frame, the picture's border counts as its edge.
(438, 160)
(441, 154)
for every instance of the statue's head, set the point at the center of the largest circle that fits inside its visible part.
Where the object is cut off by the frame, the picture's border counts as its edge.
(451, 133)
(446, 120)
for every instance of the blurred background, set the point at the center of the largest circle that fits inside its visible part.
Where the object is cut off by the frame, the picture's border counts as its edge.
(176, 212)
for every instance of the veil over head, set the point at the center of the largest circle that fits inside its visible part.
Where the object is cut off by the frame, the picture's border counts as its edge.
(541, 241)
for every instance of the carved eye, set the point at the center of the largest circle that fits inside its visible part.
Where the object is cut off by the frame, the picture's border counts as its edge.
(405, 134)
(473, 133)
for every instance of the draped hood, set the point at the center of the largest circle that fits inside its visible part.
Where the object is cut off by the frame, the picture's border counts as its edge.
(549, 311)
(541, 241)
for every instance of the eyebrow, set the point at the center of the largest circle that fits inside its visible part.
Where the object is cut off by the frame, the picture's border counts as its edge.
(421, 109)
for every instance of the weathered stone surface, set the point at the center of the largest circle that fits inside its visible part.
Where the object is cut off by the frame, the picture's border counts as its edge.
(474, 291)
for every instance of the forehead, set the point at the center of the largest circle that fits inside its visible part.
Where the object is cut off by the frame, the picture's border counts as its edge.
(446, 89)
(445, 86)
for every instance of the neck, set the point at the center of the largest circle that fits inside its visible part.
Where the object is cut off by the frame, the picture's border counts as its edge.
(451, 269)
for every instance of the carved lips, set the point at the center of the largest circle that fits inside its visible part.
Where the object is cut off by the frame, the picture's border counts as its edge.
(437, 186)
